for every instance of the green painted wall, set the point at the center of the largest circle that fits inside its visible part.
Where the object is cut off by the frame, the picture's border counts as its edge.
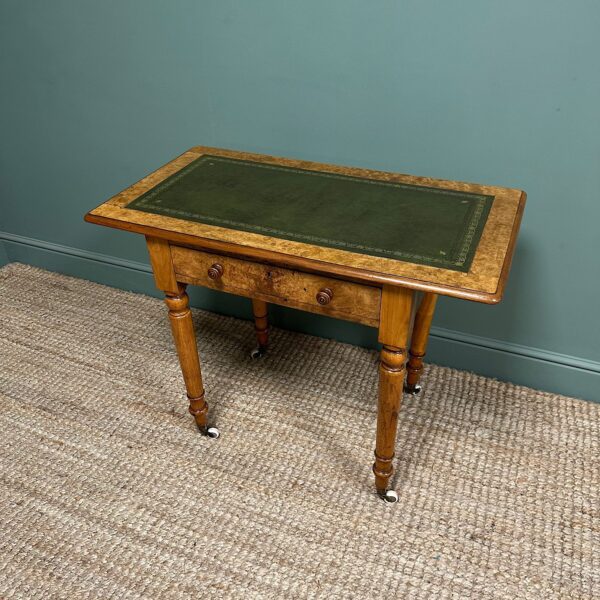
(96, 94)
(3, 255)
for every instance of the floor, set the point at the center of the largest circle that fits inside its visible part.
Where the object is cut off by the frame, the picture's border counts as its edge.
(108, 491)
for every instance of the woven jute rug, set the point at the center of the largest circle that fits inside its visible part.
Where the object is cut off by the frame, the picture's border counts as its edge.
(108, 490)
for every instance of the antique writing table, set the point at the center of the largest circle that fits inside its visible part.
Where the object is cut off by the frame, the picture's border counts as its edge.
(367, 246)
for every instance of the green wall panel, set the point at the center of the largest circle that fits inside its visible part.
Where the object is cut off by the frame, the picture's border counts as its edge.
(96, 94)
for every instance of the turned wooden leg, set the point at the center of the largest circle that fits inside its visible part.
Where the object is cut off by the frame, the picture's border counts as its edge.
(183, 329)
(187, 350)
(418, 344)
(394, 329)
(261, 327)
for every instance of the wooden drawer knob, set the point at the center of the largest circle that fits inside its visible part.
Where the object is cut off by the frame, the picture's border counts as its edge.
(325, 296)
(215, 271)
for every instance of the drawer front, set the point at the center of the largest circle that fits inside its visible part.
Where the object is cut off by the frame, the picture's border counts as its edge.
(305, 291)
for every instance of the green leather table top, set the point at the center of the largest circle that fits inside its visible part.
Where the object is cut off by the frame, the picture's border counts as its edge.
(423, 225)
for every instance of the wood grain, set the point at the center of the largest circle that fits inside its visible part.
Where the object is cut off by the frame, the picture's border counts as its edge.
(419, 339)
(375, 291)
(184, 336)
(484, 282)
(394, 329)
(162, 264)
(261, 322)
(182, 326)
(351, 301)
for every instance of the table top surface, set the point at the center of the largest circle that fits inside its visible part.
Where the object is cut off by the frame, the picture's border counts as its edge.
(450, 237)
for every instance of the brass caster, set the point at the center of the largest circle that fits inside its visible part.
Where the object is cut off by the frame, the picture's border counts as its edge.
(413, 390)
(258, 352)
(391, 496)
(211, 432)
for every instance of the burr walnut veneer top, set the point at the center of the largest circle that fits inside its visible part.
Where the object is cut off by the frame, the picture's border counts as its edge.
(369, 226)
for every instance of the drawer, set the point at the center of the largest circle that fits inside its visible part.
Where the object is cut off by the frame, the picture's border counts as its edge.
(305, 291)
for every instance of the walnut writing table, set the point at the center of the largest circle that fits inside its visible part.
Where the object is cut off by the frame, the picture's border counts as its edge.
(366, 246)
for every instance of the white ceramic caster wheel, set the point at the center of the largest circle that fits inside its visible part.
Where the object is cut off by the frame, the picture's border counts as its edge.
(212, 432)
(413, 390)
(258, 352)
(390, 496)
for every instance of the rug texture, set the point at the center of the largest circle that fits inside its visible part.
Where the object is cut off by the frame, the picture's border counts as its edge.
(107, 490)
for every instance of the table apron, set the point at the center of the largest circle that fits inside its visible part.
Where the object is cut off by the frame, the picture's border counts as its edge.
(349, 301)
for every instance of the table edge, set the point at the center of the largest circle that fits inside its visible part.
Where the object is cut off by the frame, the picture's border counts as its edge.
(314, 266)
